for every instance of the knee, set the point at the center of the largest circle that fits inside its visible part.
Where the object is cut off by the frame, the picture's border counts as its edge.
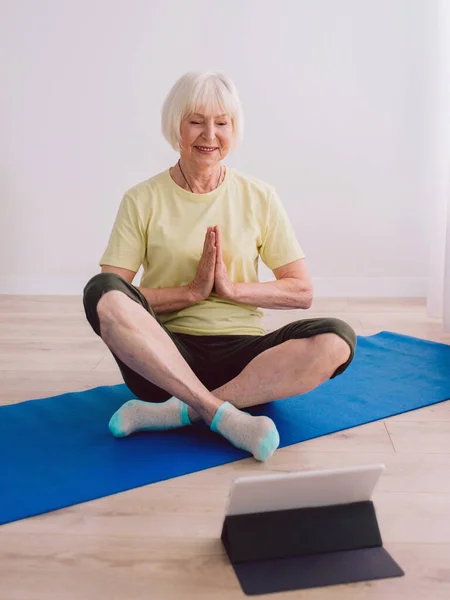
(333, 348)
(338, 345)
(93, 293)
(341, 350)
(95, 287)
(343, 330)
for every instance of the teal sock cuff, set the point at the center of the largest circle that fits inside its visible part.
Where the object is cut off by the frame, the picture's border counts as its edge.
(218, 417)
(184, 415)
(268, 444)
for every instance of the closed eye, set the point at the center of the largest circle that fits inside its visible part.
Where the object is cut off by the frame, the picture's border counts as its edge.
(197, 123)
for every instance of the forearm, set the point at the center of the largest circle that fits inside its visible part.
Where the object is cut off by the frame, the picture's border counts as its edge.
(164, 300)
(286, 293)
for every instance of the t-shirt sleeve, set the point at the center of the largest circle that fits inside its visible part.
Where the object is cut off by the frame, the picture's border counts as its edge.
(279, 242)
(127, 243)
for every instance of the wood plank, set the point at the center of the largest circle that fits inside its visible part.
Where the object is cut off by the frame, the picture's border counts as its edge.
(436, 412)
(55, 381)
(413, 518)
(420, 436)
(372, 437)
(50, 355)
(411, 473)
(107, 365)
(407, 323)
(52, 567)
(387, 306)
(161, 542)
(47, 326)
(41, 304)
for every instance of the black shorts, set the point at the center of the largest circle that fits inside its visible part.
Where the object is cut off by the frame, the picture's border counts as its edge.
(215, 359)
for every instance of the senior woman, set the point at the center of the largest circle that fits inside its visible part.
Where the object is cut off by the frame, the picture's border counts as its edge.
(188, 340)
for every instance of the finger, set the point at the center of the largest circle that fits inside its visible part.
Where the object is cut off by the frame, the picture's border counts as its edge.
(219, 259)
(217, 237)
(209, 242)
(212, 247)
(207, 238)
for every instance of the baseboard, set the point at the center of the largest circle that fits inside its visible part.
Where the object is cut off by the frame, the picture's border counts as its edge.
(324, 287)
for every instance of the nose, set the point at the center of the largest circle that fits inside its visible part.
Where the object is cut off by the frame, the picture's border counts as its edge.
(209, 133)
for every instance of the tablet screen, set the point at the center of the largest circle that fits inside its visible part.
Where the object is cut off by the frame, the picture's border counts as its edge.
(284, 491)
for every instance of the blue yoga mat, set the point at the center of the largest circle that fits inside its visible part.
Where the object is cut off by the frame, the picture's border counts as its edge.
(56, 452)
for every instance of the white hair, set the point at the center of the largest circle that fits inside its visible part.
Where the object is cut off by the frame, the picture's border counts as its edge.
(201, 90)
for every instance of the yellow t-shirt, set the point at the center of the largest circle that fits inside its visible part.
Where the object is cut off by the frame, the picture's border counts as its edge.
(161, 226)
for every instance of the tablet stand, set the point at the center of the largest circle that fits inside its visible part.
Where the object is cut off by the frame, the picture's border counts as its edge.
(306, 547)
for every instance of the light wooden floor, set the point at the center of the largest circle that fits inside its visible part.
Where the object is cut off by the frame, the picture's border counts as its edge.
(162, 541)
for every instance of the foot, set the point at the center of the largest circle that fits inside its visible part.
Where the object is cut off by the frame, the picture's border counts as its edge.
(257, 435)
(136, 415)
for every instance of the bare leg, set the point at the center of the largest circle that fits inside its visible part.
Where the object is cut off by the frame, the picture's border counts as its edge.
(141, 343)
(294, 367)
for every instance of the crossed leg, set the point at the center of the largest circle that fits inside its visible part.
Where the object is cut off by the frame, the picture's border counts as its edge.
(293, 367)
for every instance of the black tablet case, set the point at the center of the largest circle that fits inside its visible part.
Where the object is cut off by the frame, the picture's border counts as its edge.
(306, 547)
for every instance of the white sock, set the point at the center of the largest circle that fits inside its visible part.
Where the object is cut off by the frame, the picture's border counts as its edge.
(257, 435)
(136, 415)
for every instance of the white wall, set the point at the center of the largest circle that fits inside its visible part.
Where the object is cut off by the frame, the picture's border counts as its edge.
(337, 98)
(439, 270)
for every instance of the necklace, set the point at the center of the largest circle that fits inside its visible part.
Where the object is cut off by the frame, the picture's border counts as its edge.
(220, 175)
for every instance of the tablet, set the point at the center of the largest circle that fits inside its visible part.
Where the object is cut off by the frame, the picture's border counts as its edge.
(302, 489)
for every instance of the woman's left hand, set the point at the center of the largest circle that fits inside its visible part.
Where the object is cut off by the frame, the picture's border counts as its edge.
(223, 286)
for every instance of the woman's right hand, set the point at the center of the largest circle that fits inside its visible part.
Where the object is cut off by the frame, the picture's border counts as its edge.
(203, 283)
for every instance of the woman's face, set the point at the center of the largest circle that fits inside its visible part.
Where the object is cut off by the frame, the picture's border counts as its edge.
(206, 139)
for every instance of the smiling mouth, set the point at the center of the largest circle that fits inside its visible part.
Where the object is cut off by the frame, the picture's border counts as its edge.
(206, 149)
